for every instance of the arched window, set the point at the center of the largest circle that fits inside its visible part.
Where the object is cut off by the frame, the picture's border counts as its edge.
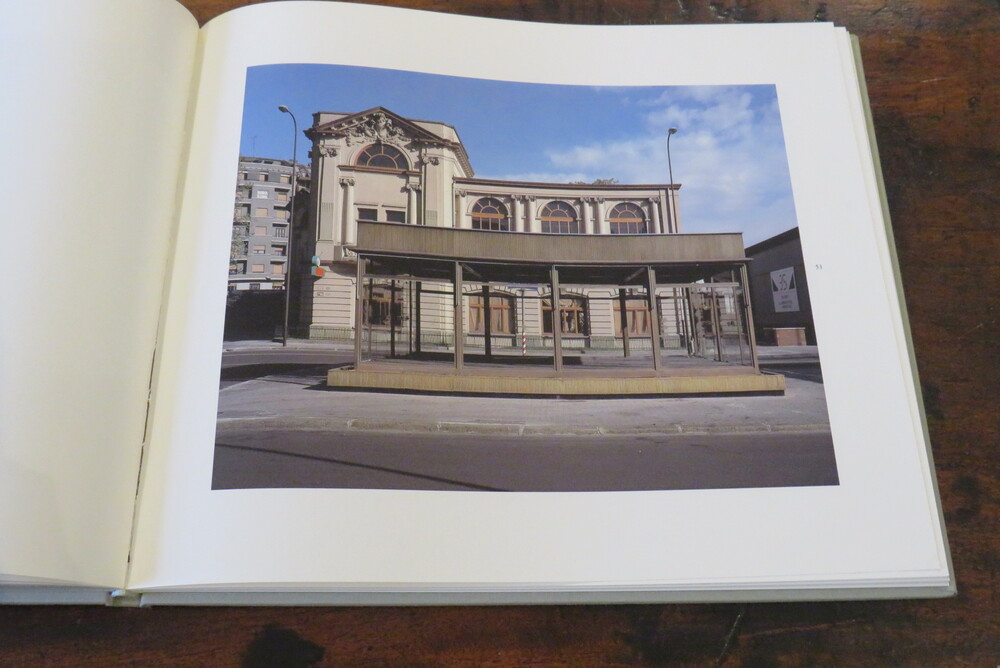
(489, 213)
(559, 218)
(502, 314)
(572, 315)
(382, 156)
(628, 218)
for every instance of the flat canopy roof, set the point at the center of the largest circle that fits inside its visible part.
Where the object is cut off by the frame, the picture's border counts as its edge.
(397, 249)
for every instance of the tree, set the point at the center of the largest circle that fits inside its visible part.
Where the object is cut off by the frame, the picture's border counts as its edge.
(596, 182)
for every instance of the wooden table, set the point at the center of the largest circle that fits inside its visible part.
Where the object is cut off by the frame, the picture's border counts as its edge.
(933, 72)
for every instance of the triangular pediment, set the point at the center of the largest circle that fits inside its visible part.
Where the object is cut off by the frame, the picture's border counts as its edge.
(378, 124)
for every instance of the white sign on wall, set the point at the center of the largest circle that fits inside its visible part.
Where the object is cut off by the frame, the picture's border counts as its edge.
(786, 296)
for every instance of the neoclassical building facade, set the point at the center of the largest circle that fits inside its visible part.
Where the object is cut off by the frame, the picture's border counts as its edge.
(376, 166)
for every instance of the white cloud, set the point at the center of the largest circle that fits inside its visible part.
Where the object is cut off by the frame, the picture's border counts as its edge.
(542, 177)
(728, 155)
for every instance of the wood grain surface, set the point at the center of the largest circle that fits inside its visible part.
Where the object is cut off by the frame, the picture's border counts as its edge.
(933, 73)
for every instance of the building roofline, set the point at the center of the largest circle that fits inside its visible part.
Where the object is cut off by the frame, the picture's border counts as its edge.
(776, 240)
(570, 186)
(431, 137)
(260, 160)
(412, 120)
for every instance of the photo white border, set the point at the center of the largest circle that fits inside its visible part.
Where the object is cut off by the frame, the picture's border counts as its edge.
(880, 525)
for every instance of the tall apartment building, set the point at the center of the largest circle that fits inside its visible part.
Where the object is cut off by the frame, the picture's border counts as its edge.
(258, 258)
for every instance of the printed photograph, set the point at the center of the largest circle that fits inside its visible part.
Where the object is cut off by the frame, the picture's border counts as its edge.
(454, 284)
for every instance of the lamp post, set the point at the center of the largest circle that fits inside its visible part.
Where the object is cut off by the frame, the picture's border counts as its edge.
(672, 210)
(291, 222)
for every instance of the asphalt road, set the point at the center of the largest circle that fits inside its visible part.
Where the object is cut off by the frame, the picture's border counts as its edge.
(248, 458)
(238, 366)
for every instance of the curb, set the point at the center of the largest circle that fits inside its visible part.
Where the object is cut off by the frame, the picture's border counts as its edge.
(506, 429)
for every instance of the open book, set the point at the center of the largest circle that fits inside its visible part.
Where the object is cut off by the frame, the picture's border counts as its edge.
(536, 374)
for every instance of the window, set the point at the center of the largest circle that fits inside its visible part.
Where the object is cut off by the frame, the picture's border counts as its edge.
(382, 156)
(559, 218)
(281, 214)
(502, 312)
(284, 178)
(262, 194)
(489, 213)
(281, 232)
(238, 267)
(279, 250)
(280, 196)
(383, 305)
(262, 177)
(572, 315)
(258, 250)
(257, 268)
(254, 286)
(627, 218)
(370, 214)
(277, 268)
(260, 230)
(637, 315)
(260, 212)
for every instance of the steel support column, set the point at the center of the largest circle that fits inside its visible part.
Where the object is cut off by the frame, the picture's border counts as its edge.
(556, 320)
(359, 311)
(459, 329)
(654, 317)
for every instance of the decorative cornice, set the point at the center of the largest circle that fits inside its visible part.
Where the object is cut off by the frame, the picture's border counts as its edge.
(381, 124)
(376, 126)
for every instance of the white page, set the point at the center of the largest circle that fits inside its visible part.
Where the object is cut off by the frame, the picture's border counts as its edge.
(876, 526)
(95, 96)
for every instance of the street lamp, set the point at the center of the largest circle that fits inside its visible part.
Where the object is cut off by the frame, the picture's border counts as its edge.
(291, 223)
(671, 209)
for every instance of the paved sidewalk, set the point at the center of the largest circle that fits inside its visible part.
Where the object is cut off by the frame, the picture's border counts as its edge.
(300, 401)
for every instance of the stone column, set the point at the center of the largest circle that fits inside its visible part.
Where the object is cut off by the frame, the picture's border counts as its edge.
(654, 208)
(411, 203)
(461, 220)
(327, 221)
(529, 204)
(602, 225)
(350, 225)
(670, 205)
(517, 215)
(588, 221)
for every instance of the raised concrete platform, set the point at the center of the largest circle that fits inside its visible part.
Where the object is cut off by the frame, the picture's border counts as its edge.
(593, 383)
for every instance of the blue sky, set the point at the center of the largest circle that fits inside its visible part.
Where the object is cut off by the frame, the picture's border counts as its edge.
(728, 153)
